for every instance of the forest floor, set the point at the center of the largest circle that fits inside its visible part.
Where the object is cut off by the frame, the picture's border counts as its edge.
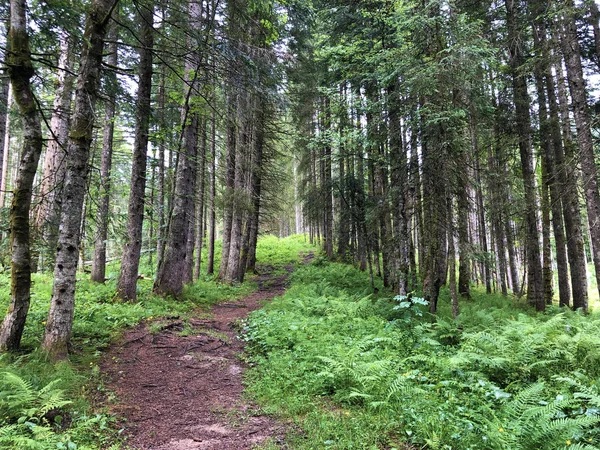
(178, 383)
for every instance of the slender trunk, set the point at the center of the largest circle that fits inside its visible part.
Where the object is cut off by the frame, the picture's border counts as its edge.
(550, 178)
(415, 180)
(126, 286)
(435, 159)
(160, 235)
(230, 164)
(328, 203)
(256, 189)
(362, 235)
(244, 142)
(102, 215)
(399, 182)
(577, 87)
(481, 219)
(200, 187)
(594, 20)
(566, 184)
(21, 71)
(535, 293)
(452, 261)
(4, 88)
(464, 243)
(6, 149)
(345, 211)
(546, 244)
(55, 160)
(170, 276)
(60, 317)
(213, 176)
(496, 217)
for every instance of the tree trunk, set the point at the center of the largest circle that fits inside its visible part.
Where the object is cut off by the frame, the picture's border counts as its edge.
(326, 183)
(55, 160)
(452, 261)
(399, 174)
(415, 180)
(160, 235)
(200, 188)
(102, 214)
(481, 216)
(6, 149)
(20, 71)
(173, 270)
(567, 190)
(4, 88)
(244, 142)
(230, 165)
(126, 286)
(572, 57)
(60, 317)
(213, 175)
(535, 293)
(464, 243)
(550, 175)
(594, 21)
(256, 188)
(362, 236)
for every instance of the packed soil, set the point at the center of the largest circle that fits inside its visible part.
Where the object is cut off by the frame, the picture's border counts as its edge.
(184, 392)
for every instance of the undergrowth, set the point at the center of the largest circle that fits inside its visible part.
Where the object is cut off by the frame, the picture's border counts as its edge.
(357, 371)
(46, 406)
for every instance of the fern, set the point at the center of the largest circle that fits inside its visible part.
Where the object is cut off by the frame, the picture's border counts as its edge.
(531, 423)
(19, 399)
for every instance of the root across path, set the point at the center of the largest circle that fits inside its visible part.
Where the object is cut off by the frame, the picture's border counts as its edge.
(179, 386)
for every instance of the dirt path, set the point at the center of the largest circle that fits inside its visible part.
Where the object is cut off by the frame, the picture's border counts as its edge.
(184, 392)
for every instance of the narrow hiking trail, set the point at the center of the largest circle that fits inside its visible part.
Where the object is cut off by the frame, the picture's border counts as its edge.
(181, 388)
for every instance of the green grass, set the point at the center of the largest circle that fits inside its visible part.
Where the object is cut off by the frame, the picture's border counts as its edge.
(359, 372)
(99, 319)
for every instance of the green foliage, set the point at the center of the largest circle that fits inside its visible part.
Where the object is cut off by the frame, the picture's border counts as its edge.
(498, 377)
(44, 406)
(281, 252)
(35, 412)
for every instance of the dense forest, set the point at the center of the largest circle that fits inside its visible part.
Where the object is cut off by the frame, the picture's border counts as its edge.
(427, 167)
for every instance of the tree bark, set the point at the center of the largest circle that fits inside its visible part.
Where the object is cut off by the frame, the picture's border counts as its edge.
(535, 293)
(160, 235)
(328, 203)
(212, 216)
(594, 20)
(452, 261)
(550, 176)
(200, 188)
(244, 142)
(60, 317)
(6, 149)
(127, 283)
(55, 160)
(566, 173)
(577, 87)
(99, 262)
(256, 187)
(464, 243)
(173, 270)
(399, 174)
(230, 165)
(21, 71)
(4, 88)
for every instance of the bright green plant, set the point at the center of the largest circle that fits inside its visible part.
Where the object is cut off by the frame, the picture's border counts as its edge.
(397, 374)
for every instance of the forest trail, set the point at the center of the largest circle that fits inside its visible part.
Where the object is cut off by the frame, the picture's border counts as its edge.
(180, 387)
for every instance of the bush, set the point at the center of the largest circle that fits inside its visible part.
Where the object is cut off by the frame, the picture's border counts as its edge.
(499, 377)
